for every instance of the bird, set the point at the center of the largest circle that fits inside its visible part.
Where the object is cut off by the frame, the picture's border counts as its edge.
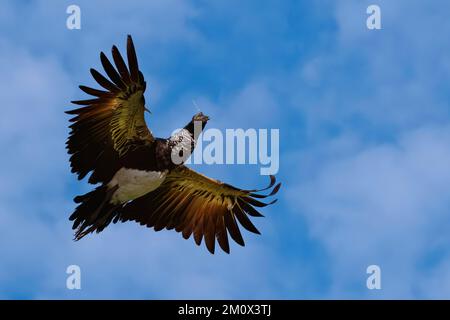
(142, 178)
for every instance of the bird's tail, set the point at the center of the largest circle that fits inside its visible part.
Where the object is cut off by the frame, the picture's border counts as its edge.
(94, 211)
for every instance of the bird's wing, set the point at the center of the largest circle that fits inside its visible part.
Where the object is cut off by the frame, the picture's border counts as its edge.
(192, 203)
(112, 123)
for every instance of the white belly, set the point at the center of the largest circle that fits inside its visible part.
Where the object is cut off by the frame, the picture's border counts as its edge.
(133, 183)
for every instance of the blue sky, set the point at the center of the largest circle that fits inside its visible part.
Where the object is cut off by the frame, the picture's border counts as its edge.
(364, 123)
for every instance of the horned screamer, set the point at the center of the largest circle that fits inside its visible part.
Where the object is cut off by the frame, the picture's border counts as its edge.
(136, 172)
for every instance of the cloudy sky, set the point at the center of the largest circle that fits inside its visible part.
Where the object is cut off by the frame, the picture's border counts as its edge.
(364, 119)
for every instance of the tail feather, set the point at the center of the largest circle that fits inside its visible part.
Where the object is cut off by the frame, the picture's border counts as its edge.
(94, 211)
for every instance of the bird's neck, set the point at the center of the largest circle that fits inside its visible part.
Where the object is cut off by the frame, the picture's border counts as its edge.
(195, 128)
(182, 143)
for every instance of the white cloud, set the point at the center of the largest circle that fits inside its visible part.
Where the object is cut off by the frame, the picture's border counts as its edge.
(372, 178)
(379, 206)
(376, 80)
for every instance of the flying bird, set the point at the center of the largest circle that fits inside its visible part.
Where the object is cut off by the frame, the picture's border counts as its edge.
(136, 174)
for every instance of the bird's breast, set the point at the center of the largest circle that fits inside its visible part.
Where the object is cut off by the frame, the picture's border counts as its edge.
(134, 183)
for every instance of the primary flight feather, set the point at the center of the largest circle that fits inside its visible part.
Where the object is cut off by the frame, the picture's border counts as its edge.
(139, 179)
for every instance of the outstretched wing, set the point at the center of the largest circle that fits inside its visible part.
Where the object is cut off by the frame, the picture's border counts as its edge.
(112, 123)
(192, 203)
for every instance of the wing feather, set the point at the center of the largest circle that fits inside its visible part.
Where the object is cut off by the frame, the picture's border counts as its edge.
(121, 66)
(105, 83)
(194, 204)
(111, 123)
(95, 92)
(132, 60)
(111, 72)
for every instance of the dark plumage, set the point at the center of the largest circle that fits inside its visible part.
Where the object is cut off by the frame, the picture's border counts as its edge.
(139, 179)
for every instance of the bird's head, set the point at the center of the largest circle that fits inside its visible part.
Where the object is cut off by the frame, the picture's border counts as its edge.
(200, 117)
(197, 124)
